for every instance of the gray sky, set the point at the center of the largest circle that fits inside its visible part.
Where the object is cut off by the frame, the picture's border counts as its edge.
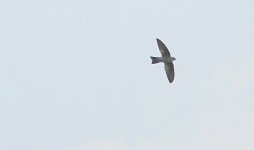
(76, 75)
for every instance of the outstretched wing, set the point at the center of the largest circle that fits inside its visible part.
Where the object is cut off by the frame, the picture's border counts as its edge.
(169, 68)
(163, 49)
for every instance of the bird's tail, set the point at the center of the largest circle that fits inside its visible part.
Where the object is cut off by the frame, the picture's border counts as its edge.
(155, 60)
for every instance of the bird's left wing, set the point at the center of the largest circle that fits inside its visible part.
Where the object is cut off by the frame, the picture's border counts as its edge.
(163, 49)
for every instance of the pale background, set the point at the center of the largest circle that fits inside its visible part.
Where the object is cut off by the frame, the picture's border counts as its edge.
(76, 75)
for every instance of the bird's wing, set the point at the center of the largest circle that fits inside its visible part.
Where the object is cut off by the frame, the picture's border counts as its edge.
(163, 49)
(169, 68)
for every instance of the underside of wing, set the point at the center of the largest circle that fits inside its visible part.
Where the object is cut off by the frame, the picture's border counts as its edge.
(169, 68)
(163, 49)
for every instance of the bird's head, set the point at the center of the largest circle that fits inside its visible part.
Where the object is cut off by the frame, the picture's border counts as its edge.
(173, 58)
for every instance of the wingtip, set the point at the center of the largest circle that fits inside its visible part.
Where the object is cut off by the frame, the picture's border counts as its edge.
(158, 40)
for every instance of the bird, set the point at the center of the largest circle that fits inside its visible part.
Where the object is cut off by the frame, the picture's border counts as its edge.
(166, 59)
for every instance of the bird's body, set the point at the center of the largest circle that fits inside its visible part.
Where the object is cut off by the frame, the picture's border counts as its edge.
(162, 59)
(166, 59)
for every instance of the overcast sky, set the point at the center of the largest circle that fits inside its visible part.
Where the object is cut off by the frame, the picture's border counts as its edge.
(76, 75)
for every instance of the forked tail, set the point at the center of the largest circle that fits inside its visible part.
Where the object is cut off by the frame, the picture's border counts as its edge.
(155, 60)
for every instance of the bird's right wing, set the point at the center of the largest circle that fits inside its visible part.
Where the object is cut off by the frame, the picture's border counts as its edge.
(169, 68)
(163, 49)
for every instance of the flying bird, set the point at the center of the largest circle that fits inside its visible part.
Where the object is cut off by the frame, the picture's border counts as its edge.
(166, 59)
